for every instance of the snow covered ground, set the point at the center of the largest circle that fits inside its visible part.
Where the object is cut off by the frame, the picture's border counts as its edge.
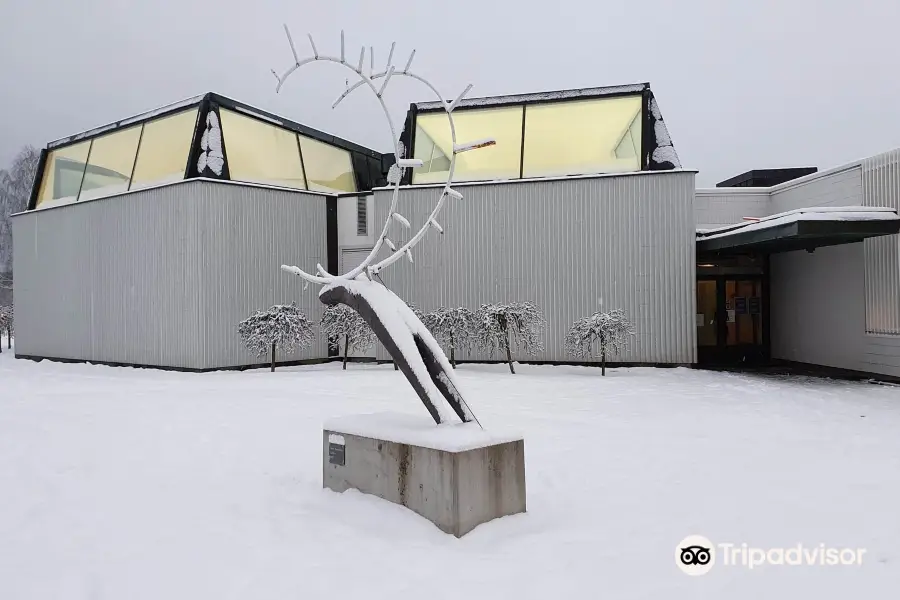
(120, 483)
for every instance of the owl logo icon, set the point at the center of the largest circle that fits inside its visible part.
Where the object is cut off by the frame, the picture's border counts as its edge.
(695, 555)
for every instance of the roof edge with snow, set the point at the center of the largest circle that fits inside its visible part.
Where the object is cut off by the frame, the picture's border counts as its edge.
(801, 229)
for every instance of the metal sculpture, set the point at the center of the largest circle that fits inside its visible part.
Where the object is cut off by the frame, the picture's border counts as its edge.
(409, 342)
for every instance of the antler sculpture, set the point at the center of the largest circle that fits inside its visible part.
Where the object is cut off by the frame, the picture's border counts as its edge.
(413, 348)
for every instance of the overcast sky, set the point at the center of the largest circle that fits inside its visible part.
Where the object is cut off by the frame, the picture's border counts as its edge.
(767, 83)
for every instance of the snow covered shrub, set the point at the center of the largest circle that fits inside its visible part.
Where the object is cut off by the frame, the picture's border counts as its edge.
(282, 326)
(454, 327)
(342, 323)
(520, 324)
(609, 331)
(6, 324)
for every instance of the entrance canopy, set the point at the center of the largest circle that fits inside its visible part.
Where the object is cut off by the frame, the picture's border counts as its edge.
(802, 229)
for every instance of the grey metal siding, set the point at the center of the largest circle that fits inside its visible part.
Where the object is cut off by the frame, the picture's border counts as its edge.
(571, 246)
(881, 187)
(842, 187)
(161, 277)
(726, 206)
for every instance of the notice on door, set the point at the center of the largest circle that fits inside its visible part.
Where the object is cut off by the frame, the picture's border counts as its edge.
(740, 305)
(731, 318)
(755, 305)
(699, 320)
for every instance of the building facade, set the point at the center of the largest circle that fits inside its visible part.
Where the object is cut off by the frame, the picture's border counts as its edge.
(147, 240)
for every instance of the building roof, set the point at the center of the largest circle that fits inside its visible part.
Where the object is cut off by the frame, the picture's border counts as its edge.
(766, 177)
(801, 229)
(222, 101)
(534, 98)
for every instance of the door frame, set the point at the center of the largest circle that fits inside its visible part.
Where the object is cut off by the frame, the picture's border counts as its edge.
(721, 353)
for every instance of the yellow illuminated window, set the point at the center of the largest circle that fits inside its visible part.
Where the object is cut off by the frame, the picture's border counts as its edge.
(163, 152)
(434, 147)
(583, 136)
(328, 169)
(110, 163)
(62, 174)
(260, 152)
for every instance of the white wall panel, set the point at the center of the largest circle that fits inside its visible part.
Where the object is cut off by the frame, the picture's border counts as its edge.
(570, 246)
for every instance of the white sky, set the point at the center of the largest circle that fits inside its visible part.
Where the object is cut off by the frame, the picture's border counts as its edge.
(769, 83)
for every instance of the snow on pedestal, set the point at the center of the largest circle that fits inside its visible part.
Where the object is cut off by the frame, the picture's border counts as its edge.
(457, 476)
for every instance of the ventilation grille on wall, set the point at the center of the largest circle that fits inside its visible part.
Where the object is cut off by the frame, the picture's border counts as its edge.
(362, 220)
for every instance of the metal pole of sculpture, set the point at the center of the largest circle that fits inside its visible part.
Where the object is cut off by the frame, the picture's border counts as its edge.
(413, 348)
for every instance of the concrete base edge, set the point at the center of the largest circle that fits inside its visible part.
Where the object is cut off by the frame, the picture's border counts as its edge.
(457, 491)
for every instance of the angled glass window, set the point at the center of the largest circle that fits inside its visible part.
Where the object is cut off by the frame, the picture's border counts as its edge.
(62, 174)
(163, 152)
(259, 152)
(328, 168)
(583, 137)
(434, 146)
(110, 163)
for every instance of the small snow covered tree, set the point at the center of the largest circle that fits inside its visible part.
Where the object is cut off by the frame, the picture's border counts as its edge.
(283, 327)
(519, 324)
(6, 324)
(608, 330)
(342, 323)
(454, 327)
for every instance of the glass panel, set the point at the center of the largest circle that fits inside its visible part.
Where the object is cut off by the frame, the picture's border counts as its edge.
(743, 304)
(706, 313)
(163, 152)
(584, 136)
(62, 174)
(110, 163)
(434, 146)
(260, 152)
(328, 168)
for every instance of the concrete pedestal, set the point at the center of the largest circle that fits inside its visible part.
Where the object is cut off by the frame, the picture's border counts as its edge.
(456, 476)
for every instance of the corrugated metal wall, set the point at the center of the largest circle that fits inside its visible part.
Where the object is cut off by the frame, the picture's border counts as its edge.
(839, 187)
(881, 187)
(161, 277)
(571, 246)
(726, 206)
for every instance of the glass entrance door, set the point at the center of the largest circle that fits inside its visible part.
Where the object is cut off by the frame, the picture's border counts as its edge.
(730, 319)
(743, 306)
(707, 319)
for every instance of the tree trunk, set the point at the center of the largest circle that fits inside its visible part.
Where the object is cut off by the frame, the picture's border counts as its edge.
(273, 357)
(346, 339)
(452, 353)
(509, 356)
(602, 357)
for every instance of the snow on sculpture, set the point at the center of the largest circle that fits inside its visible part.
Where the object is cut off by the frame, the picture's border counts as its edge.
(454, 327)
(412, 307)
(342, 325)
(609, 330)
(211, 146)
(520, 324)
(409, 342)
(283, 327)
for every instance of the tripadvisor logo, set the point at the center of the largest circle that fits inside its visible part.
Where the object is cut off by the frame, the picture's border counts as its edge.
(696, 555)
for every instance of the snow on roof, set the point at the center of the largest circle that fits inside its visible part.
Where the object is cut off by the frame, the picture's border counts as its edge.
(815, 213)
(135, 119)
(635, 88)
